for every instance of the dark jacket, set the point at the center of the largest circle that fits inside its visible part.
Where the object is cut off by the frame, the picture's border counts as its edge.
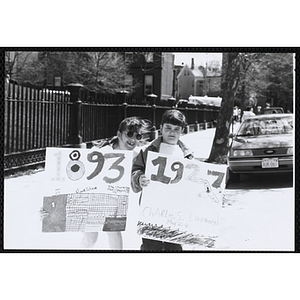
(139, 163)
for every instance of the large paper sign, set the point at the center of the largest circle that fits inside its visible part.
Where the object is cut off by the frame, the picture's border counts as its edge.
(183, 201)
(88, 189)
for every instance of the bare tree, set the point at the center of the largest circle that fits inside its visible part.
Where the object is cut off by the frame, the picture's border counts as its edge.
(99, 71)
(16, 62)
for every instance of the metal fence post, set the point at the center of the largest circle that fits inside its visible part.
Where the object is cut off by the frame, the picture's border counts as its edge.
(125, 109)
(204, 117)
(151, 99)
(75, 129)
(122, 95)
(171, 102)
(187, 130)
(197, 123)
(154, 133)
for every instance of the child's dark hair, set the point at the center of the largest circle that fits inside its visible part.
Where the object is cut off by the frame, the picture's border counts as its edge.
(135, 124)
(132, 124)
(174, 117)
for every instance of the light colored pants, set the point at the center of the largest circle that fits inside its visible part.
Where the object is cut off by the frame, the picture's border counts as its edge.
(115, 240)
(89, 239)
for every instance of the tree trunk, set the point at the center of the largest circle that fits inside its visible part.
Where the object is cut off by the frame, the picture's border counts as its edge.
(230, 79)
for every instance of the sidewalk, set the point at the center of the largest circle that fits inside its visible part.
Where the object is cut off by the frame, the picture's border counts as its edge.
(252, 219)
(23, 197)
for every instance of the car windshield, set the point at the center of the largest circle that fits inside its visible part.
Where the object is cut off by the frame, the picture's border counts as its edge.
(274, 110)
(266, 126)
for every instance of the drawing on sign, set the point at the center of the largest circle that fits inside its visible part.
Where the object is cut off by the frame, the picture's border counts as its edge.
(89, 190)
(183, 201)
(85, 212)
(207, 188)
(174, 235)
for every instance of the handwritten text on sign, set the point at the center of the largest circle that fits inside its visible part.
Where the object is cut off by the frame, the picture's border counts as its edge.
(88, 189)
(183, 201)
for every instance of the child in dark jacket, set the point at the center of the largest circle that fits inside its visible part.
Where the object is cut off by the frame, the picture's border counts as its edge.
(172, 125)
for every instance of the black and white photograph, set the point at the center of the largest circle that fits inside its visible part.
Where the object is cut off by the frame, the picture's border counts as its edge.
(149, 150)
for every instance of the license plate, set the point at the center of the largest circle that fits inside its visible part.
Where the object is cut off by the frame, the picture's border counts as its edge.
(269, 163)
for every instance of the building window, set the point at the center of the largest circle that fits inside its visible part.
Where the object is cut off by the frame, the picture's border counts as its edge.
(201, 84)
(128, 80)
(57, 81)
(148, 84)
(49, 78)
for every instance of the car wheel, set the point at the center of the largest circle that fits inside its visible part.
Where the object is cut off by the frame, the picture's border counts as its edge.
(234, 177)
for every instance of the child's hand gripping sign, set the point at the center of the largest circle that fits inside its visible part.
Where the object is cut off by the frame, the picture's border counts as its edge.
(88, 190)
(183, 202)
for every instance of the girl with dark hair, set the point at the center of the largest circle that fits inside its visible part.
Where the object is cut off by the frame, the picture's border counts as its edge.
(129, 134)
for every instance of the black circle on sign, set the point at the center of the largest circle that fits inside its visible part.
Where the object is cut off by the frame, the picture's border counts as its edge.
(74, 155)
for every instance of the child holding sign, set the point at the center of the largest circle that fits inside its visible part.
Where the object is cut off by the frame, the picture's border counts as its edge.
(172, 125)
(129, 133)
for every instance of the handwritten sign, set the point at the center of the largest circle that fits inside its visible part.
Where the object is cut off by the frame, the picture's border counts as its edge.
(88, 190)
(183, 201)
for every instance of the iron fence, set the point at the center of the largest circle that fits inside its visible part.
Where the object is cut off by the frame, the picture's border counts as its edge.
(37, 118)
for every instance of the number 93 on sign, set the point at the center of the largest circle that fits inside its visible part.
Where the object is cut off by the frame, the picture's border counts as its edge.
(90, 164)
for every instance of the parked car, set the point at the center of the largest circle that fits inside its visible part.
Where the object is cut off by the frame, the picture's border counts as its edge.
(263, 144)
(273, 110)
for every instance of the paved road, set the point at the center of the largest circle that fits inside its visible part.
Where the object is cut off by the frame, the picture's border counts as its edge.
(257, 214)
